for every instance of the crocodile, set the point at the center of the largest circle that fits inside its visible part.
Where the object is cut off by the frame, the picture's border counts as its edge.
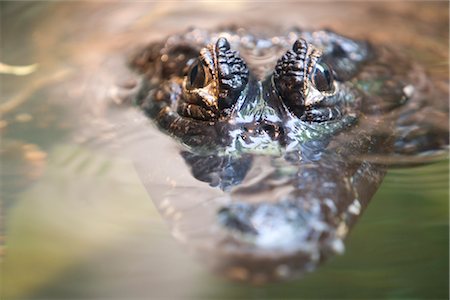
(287, 127)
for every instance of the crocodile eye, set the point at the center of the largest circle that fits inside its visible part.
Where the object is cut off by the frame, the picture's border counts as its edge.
(322, 77)
(214, 82)
(197, 75)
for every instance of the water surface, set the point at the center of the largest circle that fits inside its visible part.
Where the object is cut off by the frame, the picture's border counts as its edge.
(79, 224)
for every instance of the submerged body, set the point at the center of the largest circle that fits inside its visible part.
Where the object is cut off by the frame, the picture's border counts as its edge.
(284, 126)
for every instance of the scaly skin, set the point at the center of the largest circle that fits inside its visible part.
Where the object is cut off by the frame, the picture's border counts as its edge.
(316, 104)
(263, 99)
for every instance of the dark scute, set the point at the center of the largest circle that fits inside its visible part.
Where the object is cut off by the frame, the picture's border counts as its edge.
(223, 44)
(300, 46)
(289, 90)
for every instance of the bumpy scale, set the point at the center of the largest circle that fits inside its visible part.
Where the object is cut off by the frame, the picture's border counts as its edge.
(283, 139)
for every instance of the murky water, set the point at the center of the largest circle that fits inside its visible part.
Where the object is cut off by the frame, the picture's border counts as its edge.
(79, 224)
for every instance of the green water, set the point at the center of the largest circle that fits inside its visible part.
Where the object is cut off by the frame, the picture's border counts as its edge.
(78, 224)
(82, 232)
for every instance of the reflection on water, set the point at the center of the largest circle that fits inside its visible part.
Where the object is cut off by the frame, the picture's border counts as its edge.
(78, 222)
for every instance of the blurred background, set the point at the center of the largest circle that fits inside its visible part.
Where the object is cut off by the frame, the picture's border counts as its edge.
(77, 222)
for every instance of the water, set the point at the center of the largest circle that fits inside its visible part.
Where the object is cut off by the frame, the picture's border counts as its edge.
(79, 223)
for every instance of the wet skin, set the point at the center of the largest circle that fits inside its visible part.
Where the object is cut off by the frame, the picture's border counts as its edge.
(198, 91)
(307, 106)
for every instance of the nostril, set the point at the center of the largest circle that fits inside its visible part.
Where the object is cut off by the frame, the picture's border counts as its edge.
(273, 130)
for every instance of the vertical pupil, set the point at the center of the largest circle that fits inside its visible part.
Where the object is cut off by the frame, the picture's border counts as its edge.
(197, 75)
(323, 78)
(193, 74)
